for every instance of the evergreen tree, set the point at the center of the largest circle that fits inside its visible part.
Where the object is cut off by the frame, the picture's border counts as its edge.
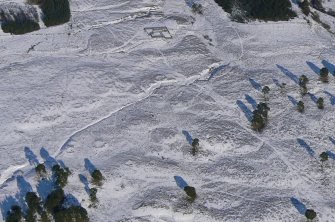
(15, 214)
(304, 5)
(300, 107)
(310, 214)
(303, 80)
(324, 74)
(54, 200)
(93, 196)
(190, 191)
(319, 103)
(265, 91)
(61, 175)
(257, 122)
(324, 156)
(40, 170)
(97, 177)
(195, 146)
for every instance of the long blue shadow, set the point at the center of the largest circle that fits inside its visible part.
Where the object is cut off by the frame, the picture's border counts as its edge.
(84, 180)
(289, 74)
(310, 151)
(245, 109)
(313, 97)
(331, 154)
(276, 81)
(31, 157)
(89, 166)
(180, 182)
(313, 67)
(70, 200)
(332, 140)
(62, 164)
(251, 100)
(299, 205)
(332, 97)
(49, 161)
(293, 100)
(216, 71)
(24, 187)
(188, 136)
(255, 84)
(329, 66)
(44, 188)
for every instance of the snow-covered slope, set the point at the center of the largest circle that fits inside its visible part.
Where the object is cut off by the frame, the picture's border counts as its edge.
(100, 88)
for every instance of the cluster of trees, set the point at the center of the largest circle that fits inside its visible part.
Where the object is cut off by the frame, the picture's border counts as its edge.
(270, 10)
(52, 209)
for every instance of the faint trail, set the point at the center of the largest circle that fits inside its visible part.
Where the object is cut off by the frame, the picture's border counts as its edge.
(146, 94)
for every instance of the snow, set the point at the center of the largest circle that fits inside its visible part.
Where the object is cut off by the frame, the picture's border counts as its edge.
(99, 90)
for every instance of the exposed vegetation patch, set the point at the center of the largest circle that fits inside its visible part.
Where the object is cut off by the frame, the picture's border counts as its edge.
(18, 20)
(270, 10)
(55, 12)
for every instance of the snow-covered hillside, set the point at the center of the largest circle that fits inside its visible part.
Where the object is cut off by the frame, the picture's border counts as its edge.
(100, 90)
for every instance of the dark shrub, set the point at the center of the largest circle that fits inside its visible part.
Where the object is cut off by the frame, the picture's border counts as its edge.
(190, 191)
(320, 103)
(97, 177)
(61, 175)
(40, 170)
(71, 214)
(300, 107)
(269, 10)
(15, 214)
(54, 200)
(310, 214)
(55, 12)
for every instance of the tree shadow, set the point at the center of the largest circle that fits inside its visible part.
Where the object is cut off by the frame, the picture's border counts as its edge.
(62, 164)
(302, 143)
(188, 136)
(6, 205)
(44, 188)
(49, 161)
(313, 67)
(332, 97)
(31, 157)
(89, 166)
(276, 82)
(331, 155)
(251, 100)
(313, 97)
(299, 205)
(332, 140)
(84, 180)
(289, 74)
(293, 100)
(24, 187)
(70, 201)
(214, 72)
(247, 112)
(180, 182)
(329, 66)
(255, 84)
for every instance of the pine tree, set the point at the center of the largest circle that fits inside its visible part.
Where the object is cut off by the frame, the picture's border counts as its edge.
(195, 146)
(320, 103)
(310, 214)
(324, 74)
(300, 107)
